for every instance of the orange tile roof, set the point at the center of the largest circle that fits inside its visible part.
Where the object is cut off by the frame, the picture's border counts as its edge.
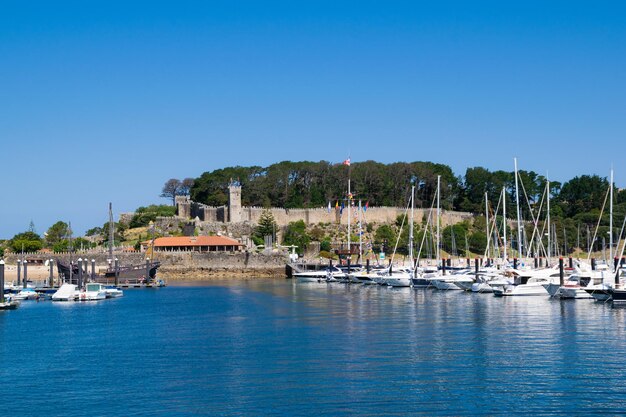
(196, 241)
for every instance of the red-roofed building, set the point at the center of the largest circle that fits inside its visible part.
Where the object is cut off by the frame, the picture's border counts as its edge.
(195, 244)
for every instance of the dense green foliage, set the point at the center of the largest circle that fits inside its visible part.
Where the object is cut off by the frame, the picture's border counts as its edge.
(575, 204)
(56, 233)
(144, 215)
(266, 227)
(314, 184)
(296, 234)
(77, 244)
(26, 241)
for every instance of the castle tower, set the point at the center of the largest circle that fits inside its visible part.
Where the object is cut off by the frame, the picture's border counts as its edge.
(183, 206)
(234, 202)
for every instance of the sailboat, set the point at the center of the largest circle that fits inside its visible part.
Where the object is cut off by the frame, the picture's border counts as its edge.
(577, 283)
(422, 276)
(402, 276)
(495, 279)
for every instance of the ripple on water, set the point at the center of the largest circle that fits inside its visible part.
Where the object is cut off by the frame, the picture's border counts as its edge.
(277, 347)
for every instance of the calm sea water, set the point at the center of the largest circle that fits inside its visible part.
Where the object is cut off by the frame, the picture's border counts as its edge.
(274, 347)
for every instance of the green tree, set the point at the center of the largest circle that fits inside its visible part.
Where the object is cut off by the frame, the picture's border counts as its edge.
(295, 234)
(266, 226)
(325, 246)
(581, 194)
(478, 242)
(57, 232)
(27, 241)
(94, 231)
(385, 237)
(78, 243)
(144, 215)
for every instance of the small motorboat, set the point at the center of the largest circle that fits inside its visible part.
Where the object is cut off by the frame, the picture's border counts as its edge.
(113, 292)
(93, 292)
(9, 304)
(26, 294)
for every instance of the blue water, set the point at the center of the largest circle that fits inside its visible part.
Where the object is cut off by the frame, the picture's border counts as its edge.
(273, 347)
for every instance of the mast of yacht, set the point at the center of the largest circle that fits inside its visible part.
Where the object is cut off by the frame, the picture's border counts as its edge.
(411, 226)
(548, 220)
(70, 248)
(360, 234)
(487, 222)
(349, 219)
(438, 216)
(504, 220)
(611, 219)
(111, 232)
(517, 208)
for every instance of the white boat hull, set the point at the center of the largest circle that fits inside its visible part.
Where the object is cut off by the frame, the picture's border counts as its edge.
(445, 285)
(399, 282)
(310, 279)
(522, 290)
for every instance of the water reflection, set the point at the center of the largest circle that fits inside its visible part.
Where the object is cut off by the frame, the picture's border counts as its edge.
(275, 346)
(442, 345)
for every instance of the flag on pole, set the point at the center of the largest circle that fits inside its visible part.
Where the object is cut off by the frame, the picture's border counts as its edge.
(329, 206)
(342, 207)
(347, 162)
(367, 205)
(337, 204)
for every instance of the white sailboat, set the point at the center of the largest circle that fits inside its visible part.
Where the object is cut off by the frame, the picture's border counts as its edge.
(422, 276)
(402, 277)
(577, 283)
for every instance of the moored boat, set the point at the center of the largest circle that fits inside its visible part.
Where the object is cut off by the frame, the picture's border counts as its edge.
(93, 292)
(67, 292)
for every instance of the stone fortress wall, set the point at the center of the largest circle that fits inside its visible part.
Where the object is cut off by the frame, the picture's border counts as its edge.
(235, 213)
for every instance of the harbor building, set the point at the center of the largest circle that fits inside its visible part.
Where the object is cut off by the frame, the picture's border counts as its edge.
(194, 244)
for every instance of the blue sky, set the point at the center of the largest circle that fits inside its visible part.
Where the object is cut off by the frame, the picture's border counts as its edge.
(104, 100)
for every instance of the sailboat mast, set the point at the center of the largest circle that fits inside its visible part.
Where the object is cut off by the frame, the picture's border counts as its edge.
(504, 219)
(517, 208)
(69, 226)
(548, 220)
(360, 234)
(349, 220)
(438, 215)
(411, 226)
(111, 232)
(487, 222)
(611, 219)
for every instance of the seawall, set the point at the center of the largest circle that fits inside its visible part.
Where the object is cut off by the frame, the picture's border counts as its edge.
(179, 266)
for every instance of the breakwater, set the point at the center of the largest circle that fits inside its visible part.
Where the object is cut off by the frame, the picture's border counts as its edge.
(182, 266)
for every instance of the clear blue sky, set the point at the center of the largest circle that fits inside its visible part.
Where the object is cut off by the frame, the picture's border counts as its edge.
(105, 100)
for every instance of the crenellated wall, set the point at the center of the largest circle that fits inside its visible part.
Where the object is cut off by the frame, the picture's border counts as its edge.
(188, 209)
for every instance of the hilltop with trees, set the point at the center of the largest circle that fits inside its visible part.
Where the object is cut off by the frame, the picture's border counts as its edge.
(575, 204)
